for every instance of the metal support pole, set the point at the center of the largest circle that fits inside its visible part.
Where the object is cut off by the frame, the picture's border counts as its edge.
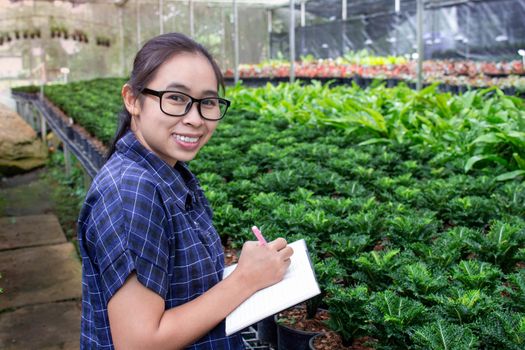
(43, 70)
(121, 32)
(344, 16)
(303, 14)
(467, 34)
(292, 41)
(397, 9)
(43, 129)
(223, 42)
(269, 15)
(161, 14)
(236, 41)
(192, 23)
(67, 160)
(137, 15)
(302, 33)
(420, 54)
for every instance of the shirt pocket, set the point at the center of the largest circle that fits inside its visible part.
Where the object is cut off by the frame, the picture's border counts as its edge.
(210, 240)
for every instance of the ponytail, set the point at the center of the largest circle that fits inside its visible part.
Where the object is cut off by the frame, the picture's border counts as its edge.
(124, 124)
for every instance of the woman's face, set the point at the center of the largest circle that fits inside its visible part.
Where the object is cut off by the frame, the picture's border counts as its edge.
(176, 138)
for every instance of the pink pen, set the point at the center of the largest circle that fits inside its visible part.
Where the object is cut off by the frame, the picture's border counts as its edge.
(259, 235)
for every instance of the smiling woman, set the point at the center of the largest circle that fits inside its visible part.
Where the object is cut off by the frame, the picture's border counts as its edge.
(152, 261)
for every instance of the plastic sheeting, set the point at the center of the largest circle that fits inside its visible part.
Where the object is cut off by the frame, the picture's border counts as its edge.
(124, 28)
(489, 30)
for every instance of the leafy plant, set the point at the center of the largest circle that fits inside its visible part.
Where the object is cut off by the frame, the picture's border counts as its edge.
(463, 306)
(347, 310)
(443, 335)
(513, 291)
(377, 268)
(419, 280)
(500, 244)
(391, 317)
(502, 330)
(475, 274)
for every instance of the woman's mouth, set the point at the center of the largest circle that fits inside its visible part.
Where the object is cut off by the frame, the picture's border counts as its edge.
(187, 139)
(186, 142)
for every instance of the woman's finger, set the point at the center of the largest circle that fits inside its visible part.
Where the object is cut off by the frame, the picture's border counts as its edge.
(286, 252)
(278, 244)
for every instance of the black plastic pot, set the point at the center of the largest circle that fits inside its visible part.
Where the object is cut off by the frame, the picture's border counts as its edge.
(267, 331)
(292, 339)
(312, 340)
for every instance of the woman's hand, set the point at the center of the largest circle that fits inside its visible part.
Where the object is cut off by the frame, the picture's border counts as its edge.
(261, 266)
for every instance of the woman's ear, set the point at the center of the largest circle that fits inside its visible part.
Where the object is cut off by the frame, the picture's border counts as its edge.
(130, 100)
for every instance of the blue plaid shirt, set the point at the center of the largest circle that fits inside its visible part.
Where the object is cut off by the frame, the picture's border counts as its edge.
(142, 215)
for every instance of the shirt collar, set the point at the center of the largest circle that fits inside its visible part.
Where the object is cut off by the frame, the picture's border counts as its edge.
(178, 178)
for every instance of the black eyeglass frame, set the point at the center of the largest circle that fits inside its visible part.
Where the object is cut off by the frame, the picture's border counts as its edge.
(159, 94)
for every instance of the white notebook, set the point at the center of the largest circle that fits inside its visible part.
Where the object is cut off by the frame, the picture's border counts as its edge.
(298, 285)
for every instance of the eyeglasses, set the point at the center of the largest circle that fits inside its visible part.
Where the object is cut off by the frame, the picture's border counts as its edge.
(177, 104)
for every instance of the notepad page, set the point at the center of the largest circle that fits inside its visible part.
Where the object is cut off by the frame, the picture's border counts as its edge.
(298, 284)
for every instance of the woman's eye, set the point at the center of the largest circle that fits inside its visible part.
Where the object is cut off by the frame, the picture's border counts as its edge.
(209, 102)
(177, 98)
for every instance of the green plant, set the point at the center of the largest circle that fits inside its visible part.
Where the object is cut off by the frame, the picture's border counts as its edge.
(502, 330)
(513, 291)
(475, 274)
(418, 280)
(391, 317)
(443, 335)
(502, 241)
(412, 227)
(377, 268)
(463, 306)
(347, 310)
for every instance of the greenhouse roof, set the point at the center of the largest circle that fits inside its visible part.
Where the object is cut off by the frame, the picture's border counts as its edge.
(264, 3)
(333, 8)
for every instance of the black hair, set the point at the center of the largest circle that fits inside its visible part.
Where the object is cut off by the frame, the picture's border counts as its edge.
(148, 60)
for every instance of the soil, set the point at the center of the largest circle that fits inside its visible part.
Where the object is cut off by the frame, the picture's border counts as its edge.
(230, 256)
(333, 341)
(329, 341)
(295, 318)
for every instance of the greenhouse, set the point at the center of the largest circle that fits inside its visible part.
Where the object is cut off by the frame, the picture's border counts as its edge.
(262, 174)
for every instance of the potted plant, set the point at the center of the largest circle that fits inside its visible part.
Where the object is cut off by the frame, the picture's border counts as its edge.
(329, 341)
(103, 41)
(295, 328)
(347, 311)
(297, 325)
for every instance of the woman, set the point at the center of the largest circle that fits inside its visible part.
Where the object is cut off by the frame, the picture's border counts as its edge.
(152, 262)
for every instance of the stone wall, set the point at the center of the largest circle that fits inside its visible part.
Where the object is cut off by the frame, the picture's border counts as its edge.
(20, 148)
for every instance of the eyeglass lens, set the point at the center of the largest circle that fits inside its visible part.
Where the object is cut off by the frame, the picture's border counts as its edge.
(179, 104)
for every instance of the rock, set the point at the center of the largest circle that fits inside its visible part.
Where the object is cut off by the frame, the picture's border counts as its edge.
(20, 148)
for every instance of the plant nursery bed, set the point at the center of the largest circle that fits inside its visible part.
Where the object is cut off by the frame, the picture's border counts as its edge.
(295, 318)
(333, 341)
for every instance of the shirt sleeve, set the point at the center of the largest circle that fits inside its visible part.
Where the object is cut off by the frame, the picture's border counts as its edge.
(130, 230)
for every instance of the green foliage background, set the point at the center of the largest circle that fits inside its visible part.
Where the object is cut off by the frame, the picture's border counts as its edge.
(412, 203)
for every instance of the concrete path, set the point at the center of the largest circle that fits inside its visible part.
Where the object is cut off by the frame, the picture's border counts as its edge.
(41, 273)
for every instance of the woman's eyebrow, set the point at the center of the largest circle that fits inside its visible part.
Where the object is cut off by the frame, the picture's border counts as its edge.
(184, 88)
